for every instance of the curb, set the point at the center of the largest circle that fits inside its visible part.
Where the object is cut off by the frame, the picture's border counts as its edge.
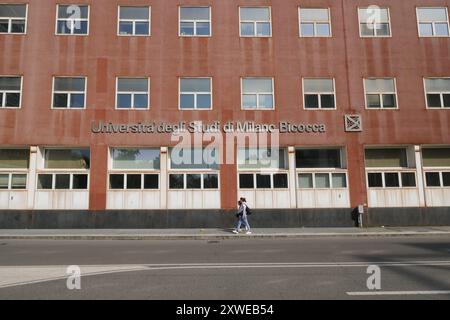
(222, 237)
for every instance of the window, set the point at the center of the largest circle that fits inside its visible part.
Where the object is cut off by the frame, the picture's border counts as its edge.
(195, 22)
(437, 92)
(69, 93)
(264, 158)
(263, 181)
(195, 94)
(13, 18)
(380, 93)
(436, 157)
(10, 92)
(194, 181)
(14, 163)
(194, 159)
(134, 181)
(62, 181)
(257, 93)
(78, 159)
(386, 158)
(319, 94)
(135, 159)
(314, 22)
(318, 158)
(255, 22)
(433, 22)
(374, 22)
(134, 21)
(391, 179)
(133, 93)
(72, 20)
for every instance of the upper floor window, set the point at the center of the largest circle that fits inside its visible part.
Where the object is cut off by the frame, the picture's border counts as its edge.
(315, 22)
(10, 92)
(380, 93)
(133, 93)
(69, 92)
(195, 93)
(319, 94)
(255, 22)
(437, 91)
(433, 22)
(257, 93)
(374, 22)
(72, 20)
(77, 159)
(134, 21)
(195, 21)
(13, 18)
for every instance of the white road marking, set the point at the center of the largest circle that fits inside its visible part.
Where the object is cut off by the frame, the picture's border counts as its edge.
(398, 293)
(23, 275)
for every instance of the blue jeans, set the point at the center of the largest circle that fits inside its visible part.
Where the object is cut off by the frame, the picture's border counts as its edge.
(243, 221)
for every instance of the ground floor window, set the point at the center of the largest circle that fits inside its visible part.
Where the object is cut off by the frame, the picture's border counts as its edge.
(263, 180)
(391, 179)
(13, 181)
(437, 179)
(322, 180)
(62, 181)
(200, 181)
(133, 181)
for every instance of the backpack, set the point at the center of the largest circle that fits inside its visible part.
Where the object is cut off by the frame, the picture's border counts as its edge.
(249, 211)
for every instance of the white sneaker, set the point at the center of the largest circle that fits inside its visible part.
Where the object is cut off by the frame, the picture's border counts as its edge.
(248, 232)
(235, 231)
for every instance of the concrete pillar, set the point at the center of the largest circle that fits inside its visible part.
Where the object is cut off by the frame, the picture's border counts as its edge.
(163, 177)
(292, 177)
(420, 175)
(98, 177)
(356, 174)
(32, 177)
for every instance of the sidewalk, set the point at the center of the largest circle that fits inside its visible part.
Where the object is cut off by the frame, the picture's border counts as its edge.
(217, 234)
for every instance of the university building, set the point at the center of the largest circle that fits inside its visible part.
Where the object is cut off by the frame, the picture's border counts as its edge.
(92, 93)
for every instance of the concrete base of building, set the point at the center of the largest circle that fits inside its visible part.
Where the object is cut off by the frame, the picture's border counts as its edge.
(180, 219)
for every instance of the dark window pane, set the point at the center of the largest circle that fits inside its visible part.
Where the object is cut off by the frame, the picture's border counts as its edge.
(176, 181)
(263, 181)
(373, 101)
(132, 85)
(408, 179)
(45, 181)
(446, 179)
(142, 28)
(81, 27)
(151, 181)
(134, 181)
(18, 26)
(4, 181)
(187, 101)
(447, 100)
(210, 181)
(116, 181)
(187, 29)
(12, 99)
(203, 101)
(131, 13)
(80, 182)
(1, 99)
(60, 100)
(311, 101)
(141, 101)
(19, 181)
(69, 84)
(327, 101)
(203, 29)
(62, 181)
(77, 100)
(246, 181)
(124, 101)
(389, 101)
(63, 27)
(318, 158)
(280, 181)
(434, 100)
(375, 180)
(4, 26)
(194, 181)
(383, 29)
(125, 28)
(433, 179)
(391, 180)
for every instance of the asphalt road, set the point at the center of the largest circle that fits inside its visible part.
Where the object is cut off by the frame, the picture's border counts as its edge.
(314, 268)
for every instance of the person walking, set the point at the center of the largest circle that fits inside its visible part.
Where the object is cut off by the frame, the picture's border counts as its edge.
(242, 216)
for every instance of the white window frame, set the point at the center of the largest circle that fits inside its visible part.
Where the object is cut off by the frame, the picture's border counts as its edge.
(11, 173)
(201, 172)
(69, 93)
(4, 92)
(319, 94)
(130, 172)
(433, 23)
(194, 21)
(441, 177)
(54, 173)
(384, 171)
(440, 93)
(375, 29)
(134, 21)
(10, 19)
(255, 23)
(132, 94)
(330, 172)
(264, 172)
(73, 20)
(314, 23)
(257, 107)
(195, 93)
(380, 94)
